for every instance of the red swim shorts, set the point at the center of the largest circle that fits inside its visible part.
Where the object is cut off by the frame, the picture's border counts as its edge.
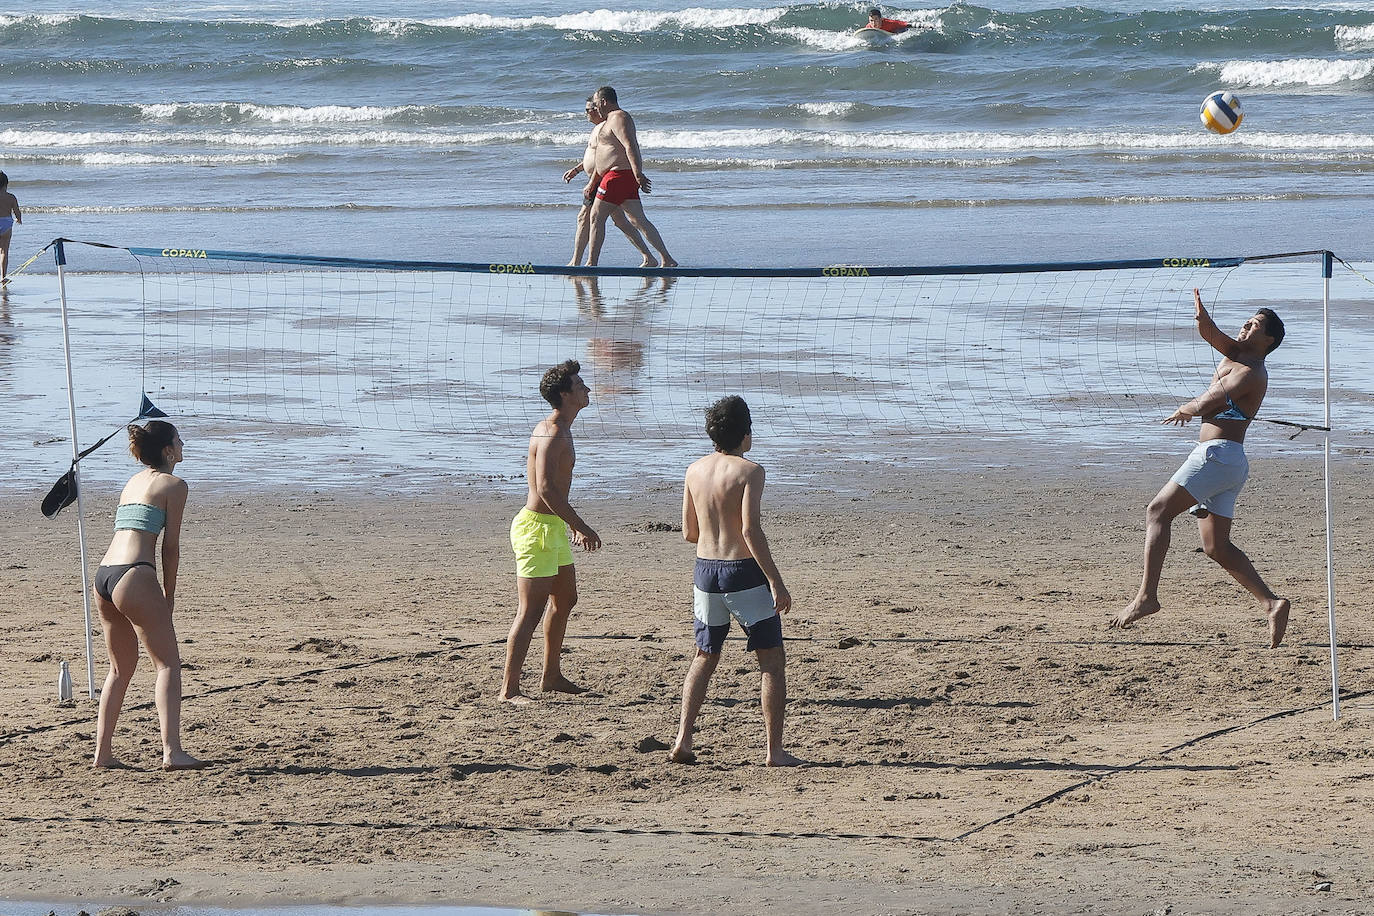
(618, 186)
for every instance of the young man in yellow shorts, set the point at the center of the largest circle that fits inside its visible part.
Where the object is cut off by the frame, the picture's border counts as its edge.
(539, 536)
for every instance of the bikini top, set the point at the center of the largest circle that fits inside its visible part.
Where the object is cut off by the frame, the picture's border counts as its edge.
(1232, 412)
(140, 517)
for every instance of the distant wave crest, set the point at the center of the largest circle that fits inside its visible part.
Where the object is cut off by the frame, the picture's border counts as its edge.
(1005, 142)
(604, 20)
(1315, 72)
(1355, 37)
(276, 114)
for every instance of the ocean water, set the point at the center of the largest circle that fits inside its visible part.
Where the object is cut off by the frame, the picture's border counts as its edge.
(1024, 131)
(1030, 131)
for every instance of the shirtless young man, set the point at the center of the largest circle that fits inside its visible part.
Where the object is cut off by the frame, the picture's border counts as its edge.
(539, 536)
(584, 214)
(9, 215)
(735, 575)
(617, 161)
(1211, 478)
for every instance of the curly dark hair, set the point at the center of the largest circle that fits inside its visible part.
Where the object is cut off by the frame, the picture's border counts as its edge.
(558, 381)
(728, 422)
(1273, 326)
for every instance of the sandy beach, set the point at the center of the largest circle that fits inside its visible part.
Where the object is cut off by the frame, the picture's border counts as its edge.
(982, 743)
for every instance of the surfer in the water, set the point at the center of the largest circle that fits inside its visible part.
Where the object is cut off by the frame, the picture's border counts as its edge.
(617, 160)
(876, 21)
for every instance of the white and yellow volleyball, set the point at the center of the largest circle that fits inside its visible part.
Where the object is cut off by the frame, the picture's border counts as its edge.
(1221, 112)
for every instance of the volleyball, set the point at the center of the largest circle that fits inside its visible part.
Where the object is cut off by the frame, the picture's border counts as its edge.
(1221, 112)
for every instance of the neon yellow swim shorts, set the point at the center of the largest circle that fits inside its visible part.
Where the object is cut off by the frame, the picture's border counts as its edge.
(540, 543)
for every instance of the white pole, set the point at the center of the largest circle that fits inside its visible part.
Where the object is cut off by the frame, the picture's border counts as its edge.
(1326, 480)
(61, 257)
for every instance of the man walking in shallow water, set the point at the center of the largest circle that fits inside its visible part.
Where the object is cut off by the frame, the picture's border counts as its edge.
(584, 214)
(617, 160)
(1210, 480)
(539, 536)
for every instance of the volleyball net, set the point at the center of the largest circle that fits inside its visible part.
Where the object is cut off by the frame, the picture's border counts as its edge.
(453, 349)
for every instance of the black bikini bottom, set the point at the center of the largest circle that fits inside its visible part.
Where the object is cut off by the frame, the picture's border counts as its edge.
(107, 577)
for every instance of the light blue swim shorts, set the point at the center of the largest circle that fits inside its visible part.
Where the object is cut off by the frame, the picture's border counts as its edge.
(1213, 475)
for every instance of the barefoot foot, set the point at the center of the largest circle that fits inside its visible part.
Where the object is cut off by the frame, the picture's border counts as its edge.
(561, 685)
(648, 262)
(180, 760)
(682, 755)
(1137, 609)
(516, 699)
(783, 759)
(109, 763)
(669, 262)
(1278, 621)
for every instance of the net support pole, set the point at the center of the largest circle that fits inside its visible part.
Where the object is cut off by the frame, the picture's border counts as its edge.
(1326, 480)
(61, 257)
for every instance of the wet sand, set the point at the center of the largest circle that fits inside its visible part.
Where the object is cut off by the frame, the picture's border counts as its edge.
(982, 742)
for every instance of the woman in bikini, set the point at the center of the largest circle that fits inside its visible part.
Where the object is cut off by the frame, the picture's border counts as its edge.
(133, 606)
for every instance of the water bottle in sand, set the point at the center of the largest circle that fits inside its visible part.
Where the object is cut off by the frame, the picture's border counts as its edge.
(64, 684)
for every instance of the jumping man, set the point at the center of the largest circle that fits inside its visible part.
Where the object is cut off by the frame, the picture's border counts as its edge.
(1210, 480)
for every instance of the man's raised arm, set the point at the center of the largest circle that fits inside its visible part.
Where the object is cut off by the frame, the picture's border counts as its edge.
(1207, 328)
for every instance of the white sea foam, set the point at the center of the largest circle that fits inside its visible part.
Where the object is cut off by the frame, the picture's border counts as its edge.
(738, 162)
(828, 109)
(277, 114)
(1355, 37)
(7, 19)
(1295, 72)
(902, 141)
(741, 138)
(820, 38)
(68, 157)
(604, 20)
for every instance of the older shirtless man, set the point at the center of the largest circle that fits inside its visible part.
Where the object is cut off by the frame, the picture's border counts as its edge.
(539, 536)
(584, 213)
(735, 575)
(617, 160)
(1210, 480)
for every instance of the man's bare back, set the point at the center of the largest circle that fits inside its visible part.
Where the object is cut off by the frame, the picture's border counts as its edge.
(715, 485)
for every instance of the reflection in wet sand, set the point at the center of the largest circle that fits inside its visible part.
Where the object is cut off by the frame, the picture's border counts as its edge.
(618, 334)
(8, 338)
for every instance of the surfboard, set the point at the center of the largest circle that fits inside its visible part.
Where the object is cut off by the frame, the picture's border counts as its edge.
(874, 37)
